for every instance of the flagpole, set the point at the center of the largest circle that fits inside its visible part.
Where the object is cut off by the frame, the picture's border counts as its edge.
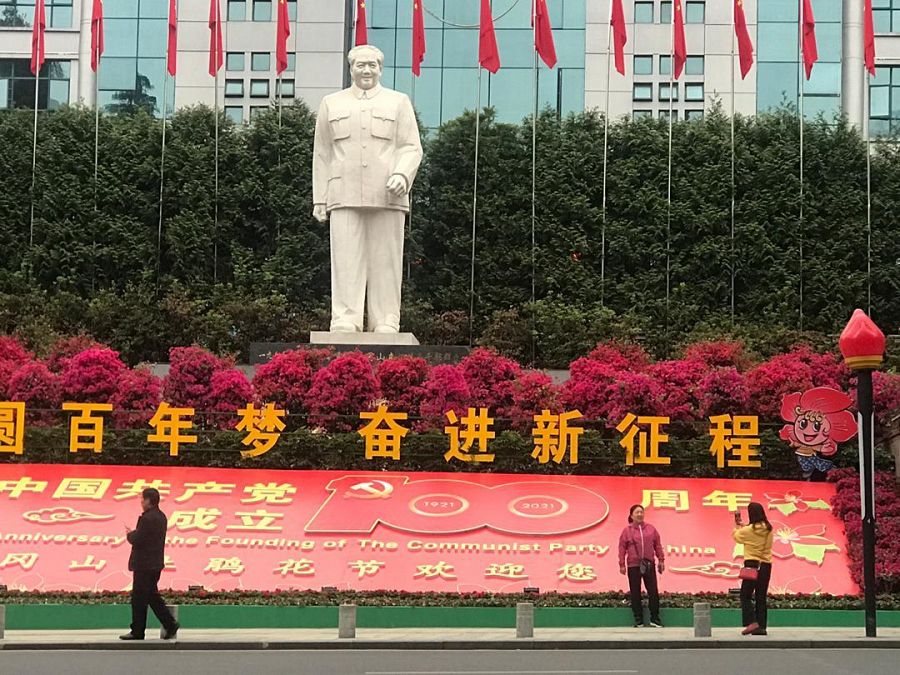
(474, 211)
(605, 159)
(162, 166)
(34, 150)
(733, 187)
(868, 195)
(216, 182)
(533, 195)
(669, 179)
(801, 74)
(96, 165)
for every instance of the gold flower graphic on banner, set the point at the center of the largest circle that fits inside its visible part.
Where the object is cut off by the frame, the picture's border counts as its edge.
(793, 500)
(800, 585)
(806, 542)
(717, 568)
(61, 514)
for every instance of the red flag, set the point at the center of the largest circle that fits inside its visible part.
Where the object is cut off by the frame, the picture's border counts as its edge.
(216, 57)
(869, 37)
(679, 48)
(488, 54)
(543, 32)
(620, 33)
(418, 54)
(745, 45)
(362, 33)
(282, 31)
(37, 38)
(810, 51)
(96, 34)
(172, 51)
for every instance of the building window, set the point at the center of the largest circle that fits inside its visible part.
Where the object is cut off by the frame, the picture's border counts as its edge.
(234, 88)
(643, 12)
(690, 115)
(665, 12)
(259, 88)
(886, 14)
(17, 84)
(260, 61)
(643, 65)
(234, 61)
(695, 12)
(642, 92)
(20, 13)
(664, 91)
(262, 10)
(284, 88)
(292, 9)
(692, 92)
(235, 113)
(237, 10)
(665, 116)
(291, 62)
(884, 102)
(665, 65)
(257, 110)
(694, 65)
(641, 114)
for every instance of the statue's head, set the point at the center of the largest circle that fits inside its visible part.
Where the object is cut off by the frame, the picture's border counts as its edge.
(366, 64)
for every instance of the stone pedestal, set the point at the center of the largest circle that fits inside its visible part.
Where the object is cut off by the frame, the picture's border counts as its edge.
(324, 337)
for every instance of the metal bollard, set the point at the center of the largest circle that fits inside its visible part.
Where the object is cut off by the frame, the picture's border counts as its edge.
(524, 620)
(702, 620)
(347, 621)
(2, 620)
(174, 610)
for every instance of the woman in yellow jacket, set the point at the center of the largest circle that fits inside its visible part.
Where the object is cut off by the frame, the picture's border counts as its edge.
(757, 540)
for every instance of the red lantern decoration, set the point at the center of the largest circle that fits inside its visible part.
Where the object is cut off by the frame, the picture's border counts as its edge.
(862, 342)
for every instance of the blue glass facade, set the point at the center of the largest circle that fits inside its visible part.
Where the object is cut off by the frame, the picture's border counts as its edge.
(20, 13)
(17, 84)
(778, 61)
(884, 102)
(447, 86)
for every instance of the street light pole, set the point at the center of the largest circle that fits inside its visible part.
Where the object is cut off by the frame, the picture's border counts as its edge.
(862, 344)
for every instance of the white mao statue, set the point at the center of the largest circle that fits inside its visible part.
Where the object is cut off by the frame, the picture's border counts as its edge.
(367, 151)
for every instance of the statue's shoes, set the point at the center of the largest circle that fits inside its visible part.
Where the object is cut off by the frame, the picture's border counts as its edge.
(343, 328)
(383, 328)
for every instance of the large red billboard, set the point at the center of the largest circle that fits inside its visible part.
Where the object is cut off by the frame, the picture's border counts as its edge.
(62, 527)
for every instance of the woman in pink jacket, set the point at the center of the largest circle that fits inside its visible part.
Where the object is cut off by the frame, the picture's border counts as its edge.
(639, 550)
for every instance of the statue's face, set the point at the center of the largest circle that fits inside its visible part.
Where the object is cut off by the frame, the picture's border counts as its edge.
(365, 71)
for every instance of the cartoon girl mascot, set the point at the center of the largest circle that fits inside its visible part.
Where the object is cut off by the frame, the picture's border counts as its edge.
(817, 420)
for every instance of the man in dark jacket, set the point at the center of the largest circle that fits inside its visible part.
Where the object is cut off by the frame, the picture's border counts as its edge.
(148, 543)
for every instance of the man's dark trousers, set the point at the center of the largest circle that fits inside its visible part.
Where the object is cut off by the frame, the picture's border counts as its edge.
(144, 593)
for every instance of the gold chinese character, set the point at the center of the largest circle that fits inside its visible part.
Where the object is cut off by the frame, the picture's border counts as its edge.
(15, 488)
(576, 572)
(210, 487)
(297, 568)
(553, 437)
(82, 488)
(134, 488)
(24, 560)
(741, 442)
(441, 569)
(732, 500)
(201, 519)
(475, 428)
(263, 428)
(383, 441)
(90, 563)
(270, 493)
(168, 423)
(232, 566)
(666, 499)
(649, 440)
(86, 428)
(264, 525)
(506, 571)
(365, 568)
(12, 427)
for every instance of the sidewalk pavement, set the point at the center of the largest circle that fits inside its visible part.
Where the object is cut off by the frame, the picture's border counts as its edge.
(454, 638)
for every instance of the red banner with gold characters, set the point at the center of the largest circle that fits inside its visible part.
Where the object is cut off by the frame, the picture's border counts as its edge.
(62, 528)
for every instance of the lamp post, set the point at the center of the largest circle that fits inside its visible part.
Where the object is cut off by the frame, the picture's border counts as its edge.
(862, 345)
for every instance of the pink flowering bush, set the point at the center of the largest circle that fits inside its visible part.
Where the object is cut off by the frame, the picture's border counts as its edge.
(722, 391)
(719, 354)
(532, 393)
(886, 390)
(65, 348)
(340, 391)
(637, 393)
(286, 379)
(445, 389)
(489, 377)
(39, 389)
(138, 394)
(191, 370)
(620, 355)
(229, 391)
(12, 355)
(401, 380)
(680, 384)
(588, 388)
(92, 375)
